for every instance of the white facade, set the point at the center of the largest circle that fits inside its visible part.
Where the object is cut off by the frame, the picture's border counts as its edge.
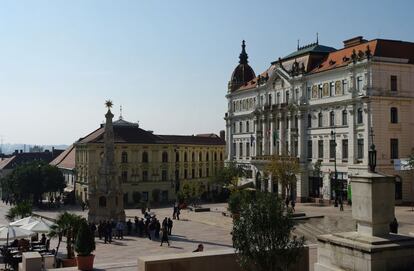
(303, 112)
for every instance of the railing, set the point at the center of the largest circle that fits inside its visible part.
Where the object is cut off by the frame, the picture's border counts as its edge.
(273, 157)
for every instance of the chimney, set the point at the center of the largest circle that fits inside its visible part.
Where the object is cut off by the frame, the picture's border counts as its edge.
(223, 135)
(21, 151)
(16, 151)
(354, 41)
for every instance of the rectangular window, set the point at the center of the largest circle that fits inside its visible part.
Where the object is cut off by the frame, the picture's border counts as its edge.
(193, 173)
(164, 176)
(332, 118)
(233, 151)
(345, 149)
(360, 118)
(320, 149)
(124, 176)
(394, 83)
(320, 87)
(145, 196)
(308, 93)
(360, 150)
(394, 115)
(247, 126)
(185, 174)
(394, 148)
(278, 98)
(344, 86)
(344, 117)
(241, 127)
(240, 150)
(270, 99)
(287, 96)
(200, 173)
(145, 176)
(332, 149)
(309, 149)
(331, 88)
(359, 82)
(247, 149)
(234, 127)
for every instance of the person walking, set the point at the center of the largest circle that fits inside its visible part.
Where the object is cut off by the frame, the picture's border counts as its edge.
(178, 213)
(129, 226)
(157, 229)
(287, 202)
(169, 225)
(136, 222)
(100, 230)
(120, 230)
(293, 203)
(164, 237)
(341, 204)
(394, 226)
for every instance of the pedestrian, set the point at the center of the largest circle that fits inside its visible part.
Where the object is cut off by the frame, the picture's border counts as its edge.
(287, 202)
(100, 230)
(108, 231)
(178, 213)
(136, 222)
(120, 230)
(170, 225)
(394, 226)
(293, 204)
(141, 227)
(164, 237)
(175, 210)
(129, 226)
(157, 229)
(165, 222)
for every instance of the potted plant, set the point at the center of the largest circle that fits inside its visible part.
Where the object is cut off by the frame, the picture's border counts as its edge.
(66, 225)
(84, 245)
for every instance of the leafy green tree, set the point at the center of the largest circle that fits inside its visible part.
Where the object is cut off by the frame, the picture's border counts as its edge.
(85, 240)
(67, 225)
(20, 210)
(30, 181)
(283, 170)
(262, 236)
(228, 175)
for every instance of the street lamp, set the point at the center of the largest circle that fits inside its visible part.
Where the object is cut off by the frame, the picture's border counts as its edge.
(333, 135)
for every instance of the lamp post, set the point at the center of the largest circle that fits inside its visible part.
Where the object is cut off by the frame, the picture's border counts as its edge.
(333, 135)
(372, 153)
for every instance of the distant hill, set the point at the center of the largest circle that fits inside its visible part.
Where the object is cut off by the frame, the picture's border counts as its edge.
(8, 148)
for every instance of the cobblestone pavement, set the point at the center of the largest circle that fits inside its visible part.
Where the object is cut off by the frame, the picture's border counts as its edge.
(213, 230)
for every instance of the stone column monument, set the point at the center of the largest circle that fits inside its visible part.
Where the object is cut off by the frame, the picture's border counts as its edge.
(371, 247)
(105, 193)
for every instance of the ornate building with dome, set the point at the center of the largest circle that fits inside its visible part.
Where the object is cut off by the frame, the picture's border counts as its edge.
(327, 108)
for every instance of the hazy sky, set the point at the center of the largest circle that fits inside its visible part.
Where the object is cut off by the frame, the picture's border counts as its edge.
(166, 62)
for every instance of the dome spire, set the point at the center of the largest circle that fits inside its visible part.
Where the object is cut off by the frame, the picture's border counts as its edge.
(243, 55)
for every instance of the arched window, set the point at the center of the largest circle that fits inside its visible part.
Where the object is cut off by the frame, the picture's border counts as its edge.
(221, 156)
(200, 158)
(102, 201)
(309, 121)
(124, 157)
(177, 156)
(164, 157)
(394, 115)
(185, 157)
(320, 120)
(344, 117)
(207, 157)
(332, 118)
(215, 156)
(145, 157)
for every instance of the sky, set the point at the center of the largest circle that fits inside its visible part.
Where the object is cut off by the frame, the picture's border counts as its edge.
(166, 62)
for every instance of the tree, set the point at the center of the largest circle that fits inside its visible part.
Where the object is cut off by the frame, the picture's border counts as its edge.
(85, 240)
(262, 236)
(283, 170)
(31, 180)
(66, 225)
(228, 175)
(20, 210)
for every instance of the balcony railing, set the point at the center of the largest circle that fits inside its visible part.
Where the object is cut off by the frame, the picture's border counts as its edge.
(273, 157)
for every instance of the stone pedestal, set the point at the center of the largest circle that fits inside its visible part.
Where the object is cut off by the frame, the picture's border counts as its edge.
(371, 247)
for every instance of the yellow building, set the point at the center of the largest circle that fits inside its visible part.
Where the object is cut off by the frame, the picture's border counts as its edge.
(146, 162)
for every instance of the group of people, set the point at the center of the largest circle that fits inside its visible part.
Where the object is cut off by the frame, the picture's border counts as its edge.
(149, 226)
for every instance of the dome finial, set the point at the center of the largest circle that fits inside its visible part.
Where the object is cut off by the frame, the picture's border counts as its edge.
(243, 55)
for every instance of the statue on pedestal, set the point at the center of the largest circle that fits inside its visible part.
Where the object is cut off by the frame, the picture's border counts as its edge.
(105, 193)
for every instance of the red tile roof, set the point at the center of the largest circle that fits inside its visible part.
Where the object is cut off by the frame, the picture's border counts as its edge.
(66, 159)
